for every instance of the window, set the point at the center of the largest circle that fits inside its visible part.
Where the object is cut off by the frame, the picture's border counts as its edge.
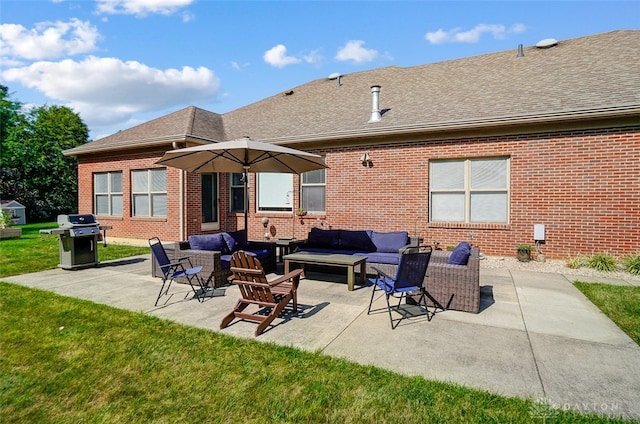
(209, 191)
(471, 190)
(107, 193)
(236, 203)
(274, 191)
(312, 189)
(149, 192)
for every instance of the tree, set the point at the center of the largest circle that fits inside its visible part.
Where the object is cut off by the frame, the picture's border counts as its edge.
(34, 170)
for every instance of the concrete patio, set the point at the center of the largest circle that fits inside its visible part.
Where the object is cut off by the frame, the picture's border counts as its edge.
(536, 336)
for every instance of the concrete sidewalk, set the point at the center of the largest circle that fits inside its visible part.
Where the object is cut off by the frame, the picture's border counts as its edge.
(536, 336)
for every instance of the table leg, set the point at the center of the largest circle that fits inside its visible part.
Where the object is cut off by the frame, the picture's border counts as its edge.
(363, 272)
(286, 266)
(351, 276)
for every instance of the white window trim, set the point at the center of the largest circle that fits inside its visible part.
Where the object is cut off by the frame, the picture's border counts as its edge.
(467, 191)
(149, 193)
(109, 193)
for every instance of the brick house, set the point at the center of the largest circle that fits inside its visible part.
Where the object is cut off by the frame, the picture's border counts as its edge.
(480, 148)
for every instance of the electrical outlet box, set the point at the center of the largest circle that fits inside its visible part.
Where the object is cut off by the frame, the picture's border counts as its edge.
(538, 232)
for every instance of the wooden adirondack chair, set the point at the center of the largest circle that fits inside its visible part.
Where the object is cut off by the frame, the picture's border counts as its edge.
(247, 273)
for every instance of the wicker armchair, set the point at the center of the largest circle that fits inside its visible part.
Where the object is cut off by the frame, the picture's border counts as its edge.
(455, 286)
(214, 275)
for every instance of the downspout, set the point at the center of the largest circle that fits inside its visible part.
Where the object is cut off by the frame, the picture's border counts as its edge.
(182, 231)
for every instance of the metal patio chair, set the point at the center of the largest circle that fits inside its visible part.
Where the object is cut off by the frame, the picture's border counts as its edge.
(180, 268)
(409, 278)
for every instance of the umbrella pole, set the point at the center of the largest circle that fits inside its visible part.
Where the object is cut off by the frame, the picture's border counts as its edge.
(246, 200)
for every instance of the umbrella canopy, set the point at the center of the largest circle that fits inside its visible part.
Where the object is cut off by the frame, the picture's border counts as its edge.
(242, 155)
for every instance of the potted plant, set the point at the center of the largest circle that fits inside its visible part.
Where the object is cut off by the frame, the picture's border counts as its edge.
(5, 222)
(524, 252)
(301, 212)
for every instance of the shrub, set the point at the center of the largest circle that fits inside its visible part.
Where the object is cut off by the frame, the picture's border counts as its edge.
(602, 261)
(576, 262)
(632, 263)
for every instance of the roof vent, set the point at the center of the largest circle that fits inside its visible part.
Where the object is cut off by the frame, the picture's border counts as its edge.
(336, 76)
(376, 116)
(520, 51)
(547, 43)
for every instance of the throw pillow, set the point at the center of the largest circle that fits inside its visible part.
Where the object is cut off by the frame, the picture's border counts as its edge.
(208, 242)
(460, 255)
(236, 240)
(356, 240)
(324, 238)
(390, 242)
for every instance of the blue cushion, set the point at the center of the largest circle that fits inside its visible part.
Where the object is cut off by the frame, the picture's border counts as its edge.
(320, 249)
(389, 242)
(259, 253)
(225, 260)
(460, 254)
(208, 242)
(236, 240)
(381, 257)
(359, 240)
(324, 238)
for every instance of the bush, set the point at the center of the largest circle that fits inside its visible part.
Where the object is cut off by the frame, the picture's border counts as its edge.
(602, 261)
(632, 263)
(576, 262)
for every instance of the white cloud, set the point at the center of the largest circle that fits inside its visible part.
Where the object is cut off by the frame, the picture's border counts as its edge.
(457, 35)
(108, 90)
(48, 40)
(187, 17)
(277, 56)
(239, 66)
(355, 51)
(313, 57)
(140, 7)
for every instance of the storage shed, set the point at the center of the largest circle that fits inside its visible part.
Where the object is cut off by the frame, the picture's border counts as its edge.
(16, 210)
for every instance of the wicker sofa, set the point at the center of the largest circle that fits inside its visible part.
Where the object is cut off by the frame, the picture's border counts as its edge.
(382, 249)
(215, 263)
(454, 286)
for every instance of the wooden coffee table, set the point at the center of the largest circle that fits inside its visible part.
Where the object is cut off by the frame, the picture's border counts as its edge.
(330, 259)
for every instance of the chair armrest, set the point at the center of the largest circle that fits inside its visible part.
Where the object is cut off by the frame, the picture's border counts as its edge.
(295, 274)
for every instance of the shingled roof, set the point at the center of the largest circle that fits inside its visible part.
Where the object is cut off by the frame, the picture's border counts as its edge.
(189, 125)
(579, 79)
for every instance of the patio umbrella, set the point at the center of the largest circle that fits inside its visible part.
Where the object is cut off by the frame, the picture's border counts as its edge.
(242, 155)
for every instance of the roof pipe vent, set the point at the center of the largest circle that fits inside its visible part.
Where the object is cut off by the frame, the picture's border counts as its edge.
(376, 116)
(520, 51)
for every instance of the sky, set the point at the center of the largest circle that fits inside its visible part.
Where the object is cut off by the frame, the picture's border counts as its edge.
(119, 63)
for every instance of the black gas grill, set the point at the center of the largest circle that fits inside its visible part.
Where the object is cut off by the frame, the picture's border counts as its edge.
(79, 237)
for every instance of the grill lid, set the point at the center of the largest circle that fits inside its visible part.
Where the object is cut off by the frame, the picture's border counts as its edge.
(77, 220)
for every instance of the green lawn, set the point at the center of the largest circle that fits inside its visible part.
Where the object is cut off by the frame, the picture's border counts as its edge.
(620, 303)
(65, 360)
(37, 252)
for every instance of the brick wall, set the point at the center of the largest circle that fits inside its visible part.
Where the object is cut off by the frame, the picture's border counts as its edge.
(583, 185)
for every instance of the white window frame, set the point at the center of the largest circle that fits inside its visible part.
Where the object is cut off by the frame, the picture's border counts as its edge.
(468, 193)
(273, 193)
(304, 204)
(111, 194)
(152, 193)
